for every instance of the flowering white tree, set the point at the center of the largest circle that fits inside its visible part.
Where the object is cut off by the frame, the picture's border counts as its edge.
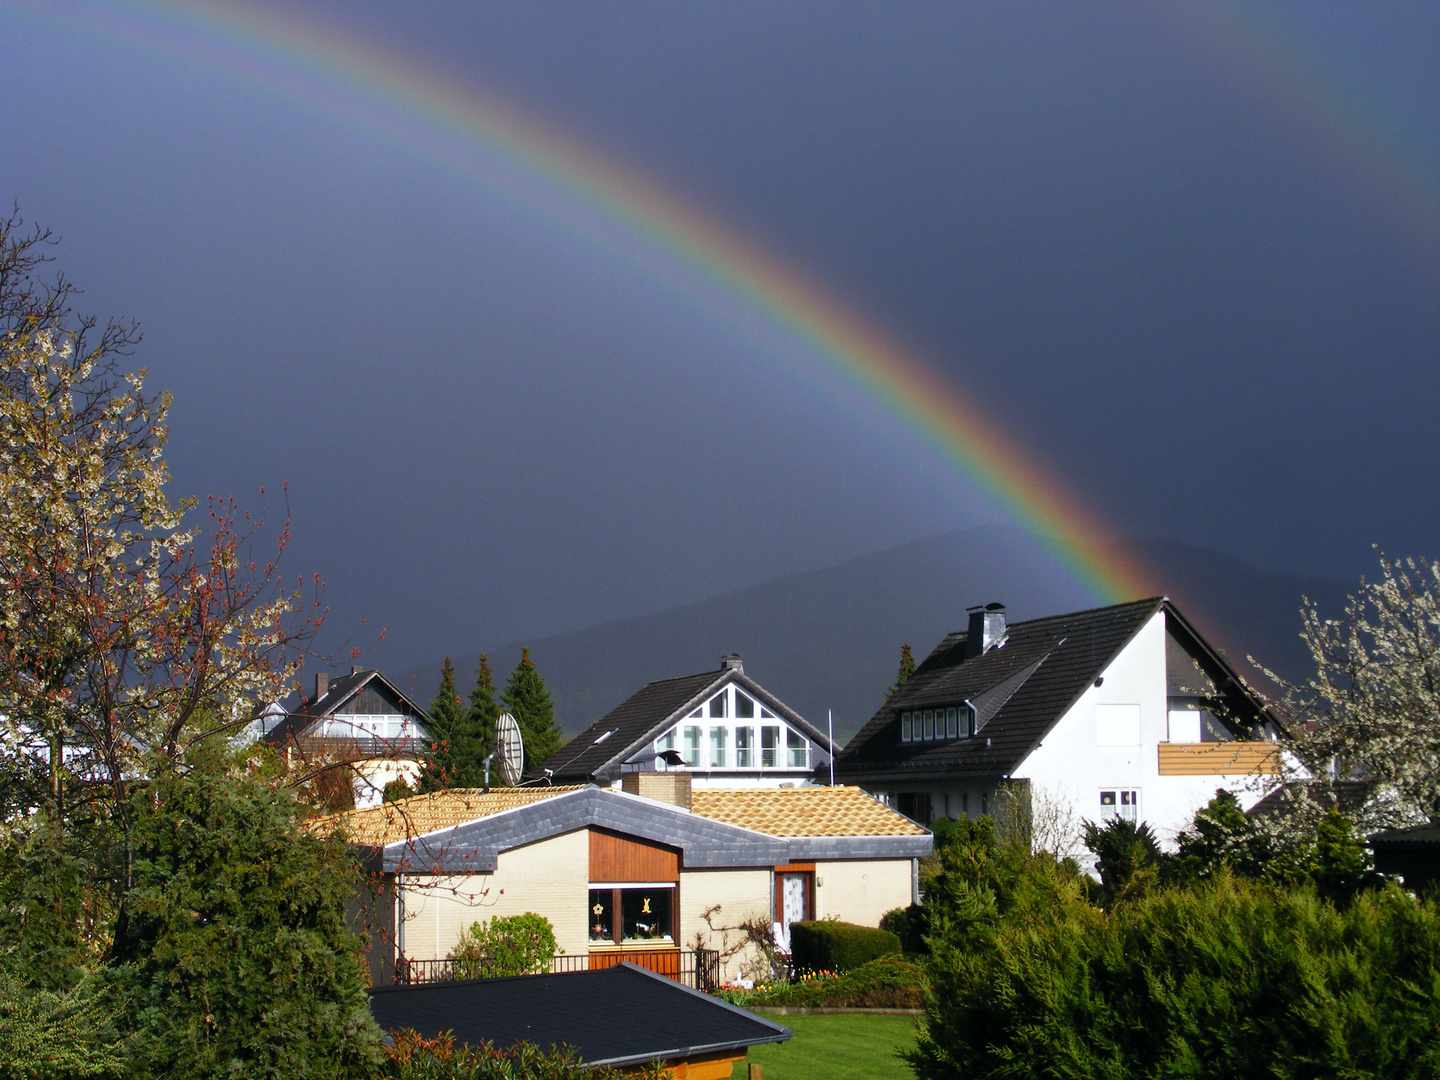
(122, 633)
(1367, 730)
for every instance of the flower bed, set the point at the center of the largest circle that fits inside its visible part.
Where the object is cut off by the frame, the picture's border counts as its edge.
(891, 982)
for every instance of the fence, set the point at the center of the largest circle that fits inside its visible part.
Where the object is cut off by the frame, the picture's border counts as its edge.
(699, 969)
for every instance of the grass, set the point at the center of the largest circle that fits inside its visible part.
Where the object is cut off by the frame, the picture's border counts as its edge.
(847, 1047)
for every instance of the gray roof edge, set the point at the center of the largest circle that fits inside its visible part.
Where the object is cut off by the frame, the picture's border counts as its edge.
(705, 843)
(827, 848)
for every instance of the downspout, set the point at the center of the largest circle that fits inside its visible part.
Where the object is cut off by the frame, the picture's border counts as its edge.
(915, 881)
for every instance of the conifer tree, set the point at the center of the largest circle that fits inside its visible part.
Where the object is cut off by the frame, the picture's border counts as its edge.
(442, 721)
(907, 668)
(477, 737)
(529, 702)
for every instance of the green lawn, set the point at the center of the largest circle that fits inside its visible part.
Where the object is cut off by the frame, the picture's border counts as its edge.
(836, 1048)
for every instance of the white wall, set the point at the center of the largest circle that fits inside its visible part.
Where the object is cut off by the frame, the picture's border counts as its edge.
(861, 891)
(741, 895)
(1070, 764)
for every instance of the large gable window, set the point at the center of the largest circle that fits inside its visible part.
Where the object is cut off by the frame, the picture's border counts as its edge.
(796, 745)
(717, 705)
(744, 707)
(691, 753)
(717, 746)
(744, 747)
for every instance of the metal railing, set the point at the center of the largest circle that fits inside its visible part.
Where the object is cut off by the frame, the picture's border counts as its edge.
(698, 968)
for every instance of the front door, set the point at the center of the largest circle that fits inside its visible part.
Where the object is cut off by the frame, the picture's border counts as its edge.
(792, 902)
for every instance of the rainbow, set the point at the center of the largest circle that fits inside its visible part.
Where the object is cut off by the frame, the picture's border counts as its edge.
(581, 193)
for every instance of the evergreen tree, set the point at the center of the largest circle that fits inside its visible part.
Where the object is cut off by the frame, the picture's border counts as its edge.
(907, 668)
(442, 721)
(233, 951)
(529, 702)
(477, 735)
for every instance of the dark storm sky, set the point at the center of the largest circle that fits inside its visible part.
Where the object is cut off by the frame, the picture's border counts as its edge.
(1190, 261)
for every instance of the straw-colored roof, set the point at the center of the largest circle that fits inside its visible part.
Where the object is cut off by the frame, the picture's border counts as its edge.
(802, 811)
(404, 818)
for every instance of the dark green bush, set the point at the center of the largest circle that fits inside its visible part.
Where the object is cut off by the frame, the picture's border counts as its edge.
(1226, 978)
(910, 925)
(827, 945)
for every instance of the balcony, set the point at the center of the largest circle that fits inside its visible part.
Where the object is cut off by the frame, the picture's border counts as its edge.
(1219, 759)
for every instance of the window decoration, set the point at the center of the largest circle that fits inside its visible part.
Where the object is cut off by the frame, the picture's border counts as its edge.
(646, 914)
(1121, 803)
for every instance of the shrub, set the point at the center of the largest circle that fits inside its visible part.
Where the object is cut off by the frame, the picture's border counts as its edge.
(910, 925)
(415, 1057)
(233, 949)
(54, 1036)
(517, 945)
(1226, 978)
(891, 982)
(828, 945)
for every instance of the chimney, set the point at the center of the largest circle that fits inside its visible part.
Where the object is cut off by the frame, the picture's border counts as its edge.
(322, 684)
(669, 787)
(987, 629)
(732, 663)
(355, 669)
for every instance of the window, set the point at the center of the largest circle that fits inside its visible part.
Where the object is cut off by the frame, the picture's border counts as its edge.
(664, 743)
(929, 723)
(646, 913)
(692, 746)
(602, 912)
(1123, 804)
(769, 747)
(795, 743)
(952, 723)
(965, 803)
(717, 705)
(717, 747)
(905, 727)
(696, 714)
(744, 748)
(766, 714)
(744, 707)
(970, 720)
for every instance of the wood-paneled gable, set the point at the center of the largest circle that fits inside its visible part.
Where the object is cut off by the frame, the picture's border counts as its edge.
(617, 858)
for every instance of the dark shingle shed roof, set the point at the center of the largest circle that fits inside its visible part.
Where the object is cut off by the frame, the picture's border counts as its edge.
(619, 1015)
(1020, 689)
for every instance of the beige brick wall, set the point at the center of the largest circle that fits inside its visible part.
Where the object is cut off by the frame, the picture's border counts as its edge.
(861, 891)
(741, 894)
(550, 878)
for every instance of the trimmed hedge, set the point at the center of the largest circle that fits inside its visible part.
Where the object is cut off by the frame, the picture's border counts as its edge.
(828, 945)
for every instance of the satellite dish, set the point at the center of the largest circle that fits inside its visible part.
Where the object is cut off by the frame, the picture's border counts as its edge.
(510, 749)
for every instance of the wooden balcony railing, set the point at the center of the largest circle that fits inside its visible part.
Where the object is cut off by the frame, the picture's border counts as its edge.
(699, 969)
(1219, 759)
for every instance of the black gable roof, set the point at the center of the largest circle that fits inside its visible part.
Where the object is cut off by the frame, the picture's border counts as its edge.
(629, 723)
(339, 694)
(1019, 688)
(619, 1015)
(598, 751)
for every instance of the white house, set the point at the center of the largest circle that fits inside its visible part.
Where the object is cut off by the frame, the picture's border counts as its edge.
(721, 727)
(1122, 710)
(360, 719)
